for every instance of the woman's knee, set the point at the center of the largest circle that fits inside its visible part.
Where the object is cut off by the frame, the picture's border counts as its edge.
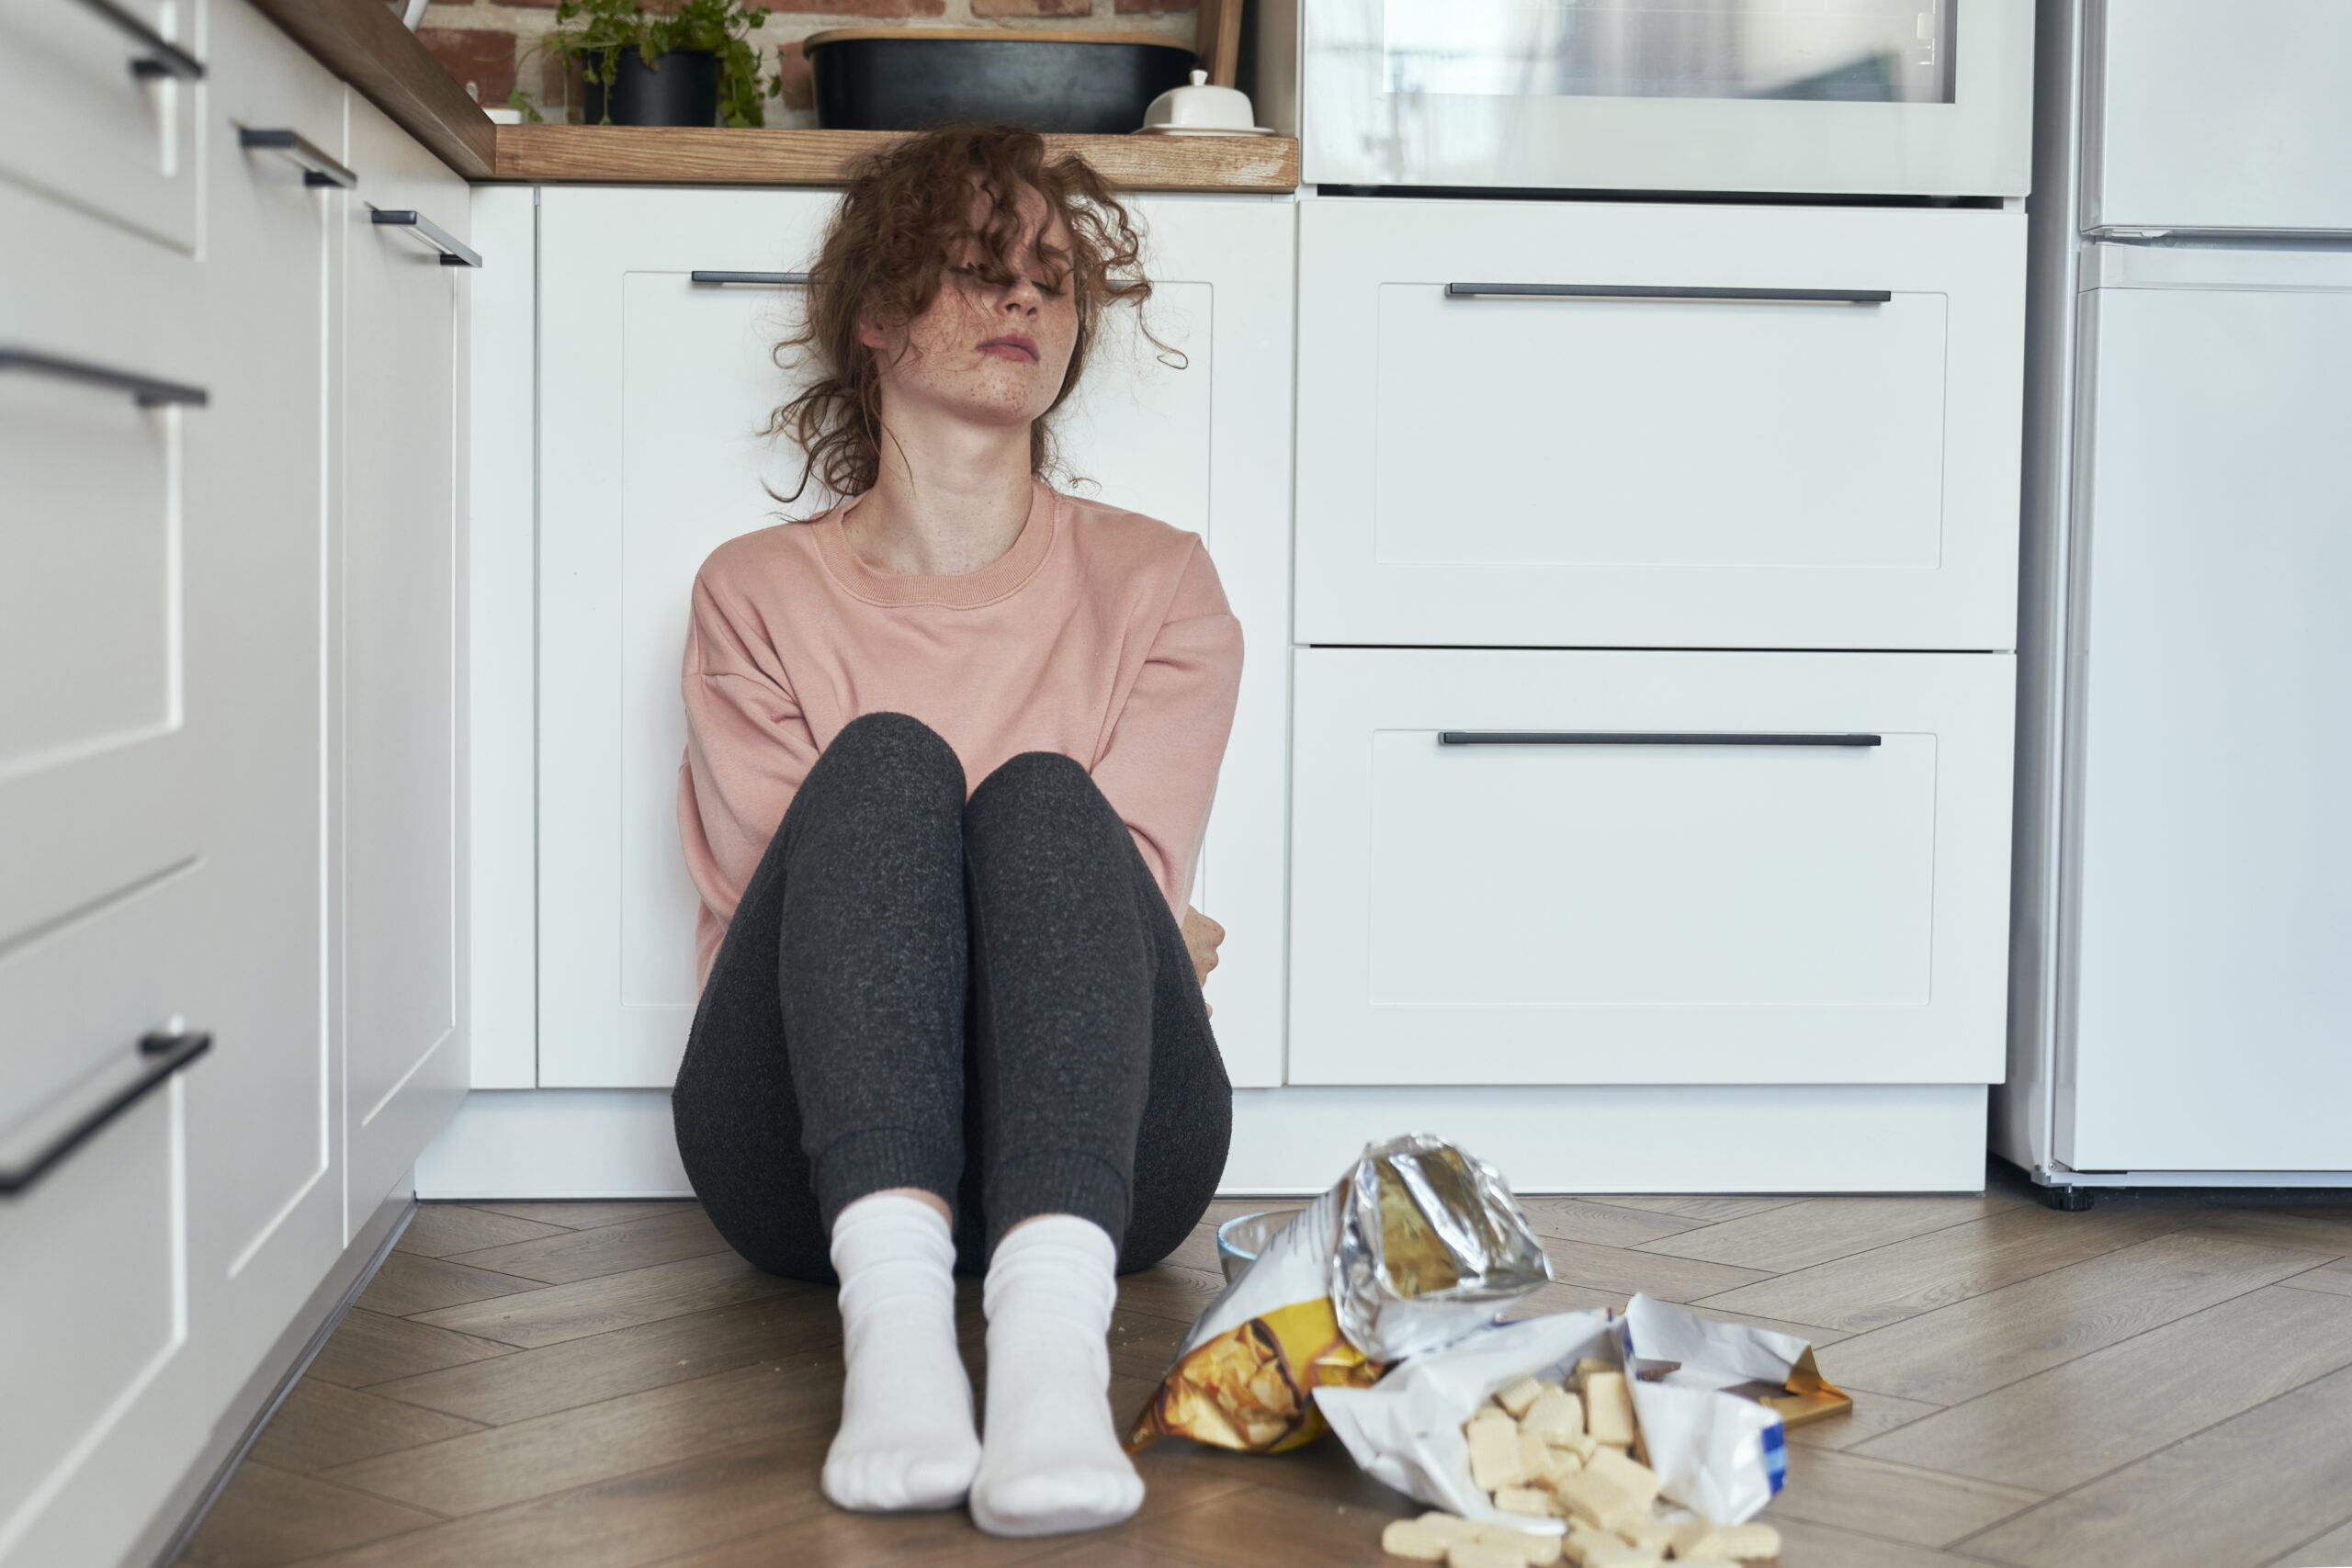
(896, 744)
(886, 764)
(1034, 789)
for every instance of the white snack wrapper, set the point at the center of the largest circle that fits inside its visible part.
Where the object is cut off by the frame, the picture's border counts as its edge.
(1406, 1430)
(1717, 1452)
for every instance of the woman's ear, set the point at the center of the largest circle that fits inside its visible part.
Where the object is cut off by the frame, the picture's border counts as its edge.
(870, 334)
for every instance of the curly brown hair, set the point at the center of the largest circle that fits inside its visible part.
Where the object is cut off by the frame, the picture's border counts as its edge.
(905, 218)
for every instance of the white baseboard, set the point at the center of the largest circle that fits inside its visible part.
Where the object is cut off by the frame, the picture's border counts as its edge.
(556, 1143)
(616, 1143)
(1631, 1138)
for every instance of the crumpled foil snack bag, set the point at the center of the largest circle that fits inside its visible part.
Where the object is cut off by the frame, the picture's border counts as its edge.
(1419, 1244)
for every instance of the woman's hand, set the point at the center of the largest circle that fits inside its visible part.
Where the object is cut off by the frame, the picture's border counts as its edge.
(1201, 938)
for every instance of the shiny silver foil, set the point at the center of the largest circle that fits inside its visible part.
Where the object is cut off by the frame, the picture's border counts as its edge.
(1431, 1245)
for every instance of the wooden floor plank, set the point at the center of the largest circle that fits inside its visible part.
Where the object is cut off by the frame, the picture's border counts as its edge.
(608, 1249)
(1803, 1235)
(2332, 1549)
(628, 1522)
(1626, 1270)
(1903, 1278)
(1278, 1526)
(1805, 1545)
(1921, 1507)
(1873, 1414)
(440, 1229)
(2086, 1416)
(273, 1516)
(2241, 1492)
(369, 1348)
(787, 1330)
(322, 1424)
(2336, 1279)
(504, 1465)
(1973, 1347)
(2306, 1230)
(408, 1284)
(552, 1314)
(1693, 1206)
(1170, 1291)
(1611, 1224)
(579, 1215)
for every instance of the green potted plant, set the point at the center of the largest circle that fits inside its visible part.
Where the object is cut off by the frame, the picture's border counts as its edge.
(683, 64)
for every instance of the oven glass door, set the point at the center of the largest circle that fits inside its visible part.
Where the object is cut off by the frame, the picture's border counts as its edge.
(1928, 97)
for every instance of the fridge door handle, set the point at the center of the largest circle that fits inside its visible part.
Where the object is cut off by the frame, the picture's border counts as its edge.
(1647, 738)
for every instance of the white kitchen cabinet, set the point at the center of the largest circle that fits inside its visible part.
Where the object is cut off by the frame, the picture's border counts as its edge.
(1538, 867)
(1584, 424)
(265, 1146)
(229, 591)
(394, 773)
(98, 111)
(653, 388)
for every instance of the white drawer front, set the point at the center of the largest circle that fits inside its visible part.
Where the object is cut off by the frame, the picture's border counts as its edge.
(1485, 465)
(1682, 867)
(92, 1304)
(78, 122)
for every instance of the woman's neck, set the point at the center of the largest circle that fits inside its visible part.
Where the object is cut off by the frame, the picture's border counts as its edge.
(950, 498)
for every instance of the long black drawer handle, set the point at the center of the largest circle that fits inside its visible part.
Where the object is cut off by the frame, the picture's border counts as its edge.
(761, 279)
(162, 57)
(165, 1054)
(1642, 738)
(454, 251)
(318, 169)
(146, 389)
(1702, 296)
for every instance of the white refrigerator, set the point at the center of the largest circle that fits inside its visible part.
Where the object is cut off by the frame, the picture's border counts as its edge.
(2181, 992)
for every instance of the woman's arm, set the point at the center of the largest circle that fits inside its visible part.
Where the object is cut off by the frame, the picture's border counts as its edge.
(1159, 770)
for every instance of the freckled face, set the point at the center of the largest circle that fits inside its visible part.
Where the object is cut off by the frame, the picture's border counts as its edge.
(990, 354)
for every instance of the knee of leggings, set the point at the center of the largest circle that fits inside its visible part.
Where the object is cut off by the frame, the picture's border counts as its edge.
(903, 745)
(1045, 782)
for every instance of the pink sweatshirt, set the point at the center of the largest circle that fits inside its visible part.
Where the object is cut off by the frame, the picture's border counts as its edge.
(1102, 635)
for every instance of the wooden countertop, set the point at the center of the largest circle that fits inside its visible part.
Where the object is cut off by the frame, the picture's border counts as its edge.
(363, 42)
(683, 155)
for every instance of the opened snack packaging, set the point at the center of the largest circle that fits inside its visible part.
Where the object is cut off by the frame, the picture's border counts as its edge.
(1417, 1245)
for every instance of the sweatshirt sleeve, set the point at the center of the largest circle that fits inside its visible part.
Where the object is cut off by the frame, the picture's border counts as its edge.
(748, 748)
(1159, 770)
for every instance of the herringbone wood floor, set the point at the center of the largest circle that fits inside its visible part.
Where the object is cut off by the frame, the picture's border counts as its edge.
(2161, 1382)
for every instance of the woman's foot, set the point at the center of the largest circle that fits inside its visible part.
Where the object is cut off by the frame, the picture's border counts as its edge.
(1052, 1462)
(907, 1440)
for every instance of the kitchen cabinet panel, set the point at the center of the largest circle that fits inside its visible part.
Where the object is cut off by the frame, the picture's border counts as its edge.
(85, 119)
(1621, 867)
(395, 656)
(1572, 425)
(264, 1140)
(654, 387)
(101, 810)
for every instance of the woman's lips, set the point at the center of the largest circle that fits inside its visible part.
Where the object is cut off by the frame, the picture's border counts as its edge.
(1012, 345)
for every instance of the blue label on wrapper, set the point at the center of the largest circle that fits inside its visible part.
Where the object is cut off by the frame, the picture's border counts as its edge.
(1776, 1456)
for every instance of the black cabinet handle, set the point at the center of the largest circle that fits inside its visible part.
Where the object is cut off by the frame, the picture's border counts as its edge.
(147, 390)
(1700, 296)
(318, 169)
(165, 1054)
(1641, 737)
(761, 279)
(158, 56)
(454, 252)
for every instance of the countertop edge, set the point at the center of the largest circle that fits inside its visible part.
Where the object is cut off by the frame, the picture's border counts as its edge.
(363, 42)
(611, 154)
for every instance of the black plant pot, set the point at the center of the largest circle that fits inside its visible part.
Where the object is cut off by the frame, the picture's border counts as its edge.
(679, 88)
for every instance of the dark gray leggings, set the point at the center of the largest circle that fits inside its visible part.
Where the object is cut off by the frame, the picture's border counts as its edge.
(989, 1002)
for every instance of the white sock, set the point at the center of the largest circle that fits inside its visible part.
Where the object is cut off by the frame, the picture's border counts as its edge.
(1052, 1462)
(906, 1440)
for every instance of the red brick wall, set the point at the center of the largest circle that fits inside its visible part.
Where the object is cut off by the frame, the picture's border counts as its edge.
(486, 44)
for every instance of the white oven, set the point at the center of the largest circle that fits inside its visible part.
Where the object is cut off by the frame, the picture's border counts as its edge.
(1831, 97)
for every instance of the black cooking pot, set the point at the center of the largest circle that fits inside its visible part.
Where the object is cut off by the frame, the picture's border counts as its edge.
(681, 88)
(914, 78)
